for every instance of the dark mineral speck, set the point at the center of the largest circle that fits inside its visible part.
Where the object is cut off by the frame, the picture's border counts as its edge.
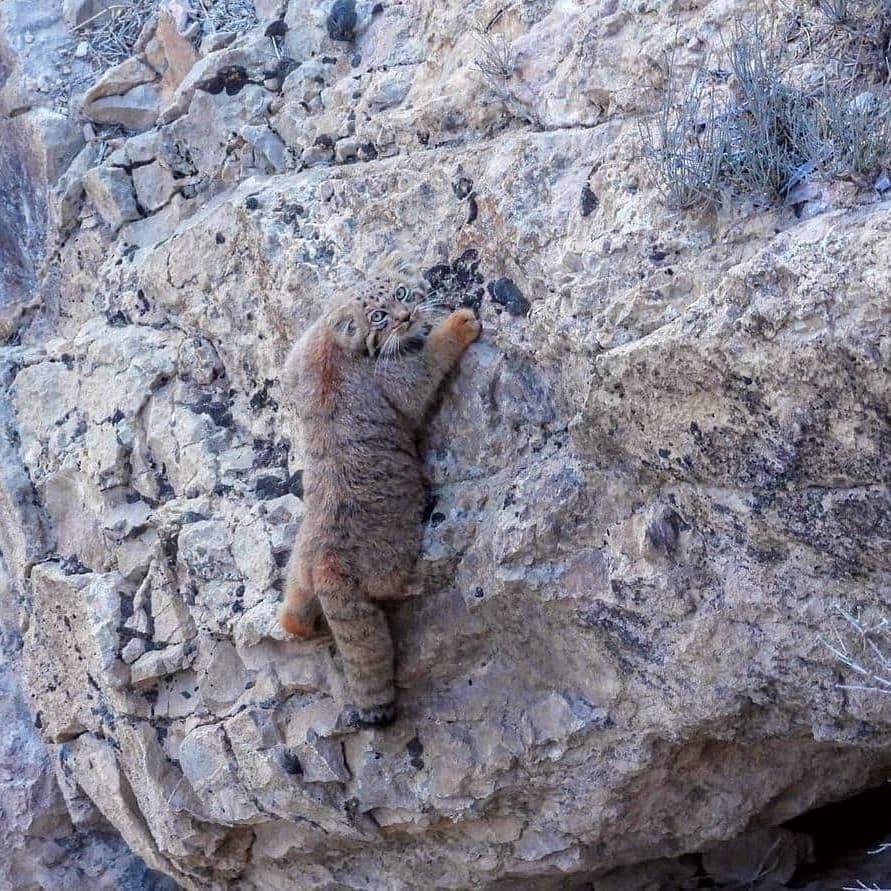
(472, 209)
(231, 79)
(590, 201)
(341, 22)
(278, 28)
(295, 483)
(458, 283)
(663, 530)
(216, 410)
(291, 763)
(429, 506)
(415, 749)
(73, 566)
(274, 487)
(462, 187)
(508, 295)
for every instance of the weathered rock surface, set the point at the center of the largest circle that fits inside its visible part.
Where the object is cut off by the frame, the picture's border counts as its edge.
(651, 480)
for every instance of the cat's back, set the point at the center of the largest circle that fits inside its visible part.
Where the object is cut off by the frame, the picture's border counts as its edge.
(357, 444)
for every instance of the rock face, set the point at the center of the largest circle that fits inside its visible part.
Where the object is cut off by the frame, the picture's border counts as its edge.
(651, 480)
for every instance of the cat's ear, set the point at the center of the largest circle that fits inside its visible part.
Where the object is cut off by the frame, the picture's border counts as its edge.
(347, 327)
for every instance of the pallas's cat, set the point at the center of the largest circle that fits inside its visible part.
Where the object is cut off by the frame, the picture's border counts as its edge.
(364, 377)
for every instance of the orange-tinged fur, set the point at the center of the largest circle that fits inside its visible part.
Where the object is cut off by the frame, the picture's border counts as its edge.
(323, 355)
(293, 626)
(364, 377)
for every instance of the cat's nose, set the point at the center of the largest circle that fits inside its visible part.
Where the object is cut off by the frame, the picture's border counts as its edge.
(402, 315)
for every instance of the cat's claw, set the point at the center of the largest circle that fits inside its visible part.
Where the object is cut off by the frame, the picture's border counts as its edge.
(353, 718)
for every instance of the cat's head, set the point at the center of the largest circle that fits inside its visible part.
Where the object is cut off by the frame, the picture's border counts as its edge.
(388, 317)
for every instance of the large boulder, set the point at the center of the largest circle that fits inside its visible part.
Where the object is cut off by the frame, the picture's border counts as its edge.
(658, 483)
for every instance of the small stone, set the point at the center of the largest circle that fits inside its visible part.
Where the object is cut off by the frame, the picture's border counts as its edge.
(148, 669)
(138, 623)
(154, 186)
(346, 149)
(120, 80)
(216, 41)
(111, 191)
(882, 184)
(316, 154)
(133, 650)
(178, 50)
(321, 759)
(82, 50)
(137, 109)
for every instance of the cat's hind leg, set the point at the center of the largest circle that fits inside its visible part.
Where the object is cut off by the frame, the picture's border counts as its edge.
(300, 610)
(394, 586)
(362, 636)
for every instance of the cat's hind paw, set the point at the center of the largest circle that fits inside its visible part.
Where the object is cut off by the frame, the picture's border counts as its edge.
(377, 716)
(293, 625)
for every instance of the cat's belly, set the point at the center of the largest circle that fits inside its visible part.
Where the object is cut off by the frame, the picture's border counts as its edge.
(367, 527)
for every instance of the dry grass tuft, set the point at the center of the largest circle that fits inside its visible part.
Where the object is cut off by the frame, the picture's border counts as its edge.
(864, 647)
(747, 128)
(233, 16)
(112, 33)
(497, 64)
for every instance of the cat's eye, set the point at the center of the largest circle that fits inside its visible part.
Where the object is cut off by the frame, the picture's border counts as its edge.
(378, 318)
(402, 294)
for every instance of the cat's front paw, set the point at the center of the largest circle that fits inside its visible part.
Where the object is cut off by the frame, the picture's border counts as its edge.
(464, 325)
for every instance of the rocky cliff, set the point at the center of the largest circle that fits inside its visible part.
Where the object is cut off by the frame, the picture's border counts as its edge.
(651, 483)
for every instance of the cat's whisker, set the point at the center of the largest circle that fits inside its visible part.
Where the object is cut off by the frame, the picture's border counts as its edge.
(378, 360)
(386, 353)
(429, 304)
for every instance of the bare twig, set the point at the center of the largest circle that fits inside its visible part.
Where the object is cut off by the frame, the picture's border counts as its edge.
(864, 648)
(234, 16)
(111, 34)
